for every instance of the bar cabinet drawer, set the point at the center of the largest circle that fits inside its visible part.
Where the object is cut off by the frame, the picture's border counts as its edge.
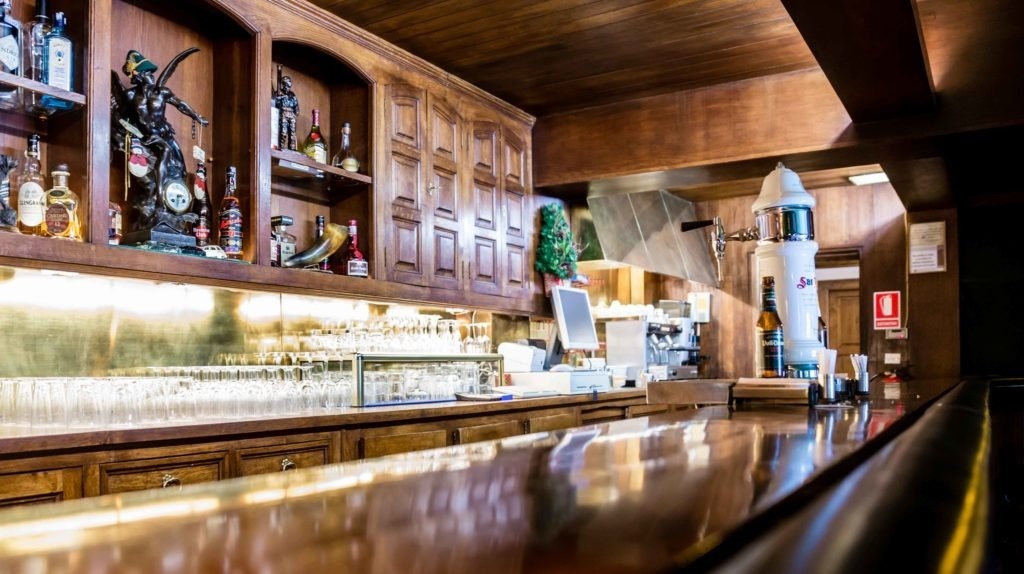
(645, 410)
(167, 472)
(279, 458)
(492, 431)
(40, 487)
(552, 422)
(374, 446)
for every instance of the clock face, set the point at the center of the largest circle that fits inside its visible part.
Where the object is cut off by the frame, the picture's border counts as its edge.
(177, 197)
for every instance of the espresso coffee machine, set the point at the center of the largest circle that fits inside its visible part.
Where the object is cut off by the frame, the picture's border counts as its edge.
(665, 347)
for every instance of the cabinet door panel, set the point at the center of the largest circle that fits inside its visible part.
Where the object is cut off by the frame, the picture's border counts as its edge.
(492, 431)
(374, 446)
(485, 149)
(446, 257)
(445, 193)
(444, 133)
(405, 180)
(408, 248)
(484, 271)
(40, 487)
(405, 123)
(485, 206)
(514, 161)
(516, 270)
(515, 214)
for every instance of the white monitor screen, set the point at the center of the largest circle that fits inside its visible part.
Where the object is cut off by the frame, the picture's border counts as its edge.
(575, 322)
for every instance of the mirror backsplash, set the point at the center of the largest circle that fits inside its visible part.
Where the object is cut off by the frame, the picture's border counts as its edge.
(72, 324)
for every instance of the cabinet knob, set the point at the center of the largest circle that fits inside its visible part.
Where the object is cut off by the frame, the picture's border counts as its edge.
(430, 190)
(287, 464)
(168, 480)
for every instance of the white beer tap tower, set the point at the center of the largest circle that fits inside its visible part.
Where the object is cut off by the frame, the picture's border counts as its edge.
(785, 251)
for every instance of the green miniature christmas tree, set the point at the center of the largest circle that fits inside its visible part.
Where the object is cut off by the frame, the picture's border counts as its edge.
(556, 251)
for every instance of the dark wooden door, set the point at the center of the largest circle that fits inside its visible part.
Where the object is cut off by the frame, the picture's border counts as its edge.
(485, 249)
(404, 251)
(444, 196)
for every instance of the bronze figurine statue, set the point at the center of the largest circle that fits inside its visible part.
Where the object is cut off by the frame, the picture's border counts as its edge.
(8, 215)
(141, 131)
(288, 104)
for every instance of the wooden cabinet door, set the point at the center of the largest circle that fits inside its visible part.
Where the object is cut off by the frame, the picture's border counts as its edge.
(444, 195)
(402, 205)
(283, 457)
(553, 422)
(485, 200)
(517, 218)
(40, 486)
(490, 431)
(371, 445)
(161, 472)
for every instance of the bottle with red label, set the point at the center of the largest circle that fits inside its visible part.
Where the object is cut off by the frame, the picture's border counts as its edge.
(201, 230)
(231, 217)
(355, 263)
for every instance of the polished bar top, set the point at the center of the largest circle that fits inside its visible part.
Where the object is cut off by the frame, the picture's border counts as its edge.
(21, 438)
(637, 495)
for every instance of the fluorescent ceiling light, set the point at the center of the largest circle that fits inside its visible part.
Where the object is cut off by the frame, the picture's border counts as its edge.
(869, 178)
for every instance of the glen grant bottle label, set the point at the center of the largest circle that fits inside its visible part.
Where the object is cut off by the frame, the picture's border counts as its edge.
(30, 203)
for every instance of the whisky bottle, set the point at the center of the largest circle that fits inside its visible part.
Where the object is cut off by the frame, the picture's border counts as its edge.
(231, 217)
(61, 218)
(315, 146)
(58, 66)
(318, 231)
(769, 331)
(201, 229)
(10, 55)
(29, 189)
(282, 243)
(355, 263)
(345, 159)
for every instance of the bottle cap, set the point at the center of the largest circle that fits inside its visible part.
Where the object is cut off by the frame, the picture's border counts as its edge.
(281, 220)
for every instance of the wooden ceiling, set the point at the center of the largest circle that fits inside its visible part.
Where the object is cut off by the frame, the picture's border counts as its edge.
(548, 56)
(706, 95)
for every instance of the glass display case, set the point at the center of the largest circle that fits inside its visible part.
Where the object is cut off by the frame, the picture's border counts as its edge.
(394, 379)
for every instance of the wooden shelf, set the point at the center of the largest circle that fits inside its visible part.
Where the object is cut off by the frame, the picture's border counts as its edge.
(294, 165)
(46, 253)
(41, 88)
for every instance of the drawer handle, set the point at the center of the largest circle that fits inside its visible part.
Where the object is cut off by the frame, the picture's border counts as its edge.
(169, 480)
(287, 464)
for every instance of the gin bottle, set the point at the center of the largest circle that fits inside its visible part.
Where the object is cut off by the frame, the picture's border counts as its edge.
(10, 55)
(58, 67)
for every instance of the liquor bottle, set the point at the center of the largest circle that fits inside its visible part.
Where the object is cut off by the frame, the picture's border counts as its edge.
(201, 230)
(231, 218)
(61, 218)
(315, 146)
(345, 159)
(114, 233)
(10, 55)
(769, 331)
(321, 221)
(29, 189)
(58, 66)
(355, 263)
(282, 243)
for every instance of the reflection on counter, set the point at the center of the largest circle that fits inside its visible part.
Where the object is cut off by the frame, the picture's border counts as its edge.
(638, 495)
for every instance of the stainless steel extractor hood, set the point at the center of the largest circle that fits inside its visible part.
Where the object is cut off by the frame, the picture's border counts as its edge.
(642, 229)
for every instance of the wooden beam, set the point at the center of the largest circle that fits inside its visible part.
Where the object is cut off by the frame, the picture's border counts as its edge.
(871, 52)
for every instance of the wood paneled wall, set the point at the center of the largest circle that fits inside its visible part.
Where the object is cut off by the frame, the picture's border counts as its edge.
(869, 218)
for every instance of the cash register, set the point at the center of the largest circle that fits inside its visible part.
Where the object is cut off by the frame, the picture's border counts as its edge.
(575, 332)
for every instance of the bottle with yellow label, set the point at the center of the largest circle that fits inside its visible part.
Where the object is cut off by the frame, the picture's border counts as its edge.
(61, 216)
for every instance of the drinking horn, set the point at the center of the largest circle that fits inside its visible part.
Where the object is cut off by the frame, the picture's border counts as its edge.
(333, 238)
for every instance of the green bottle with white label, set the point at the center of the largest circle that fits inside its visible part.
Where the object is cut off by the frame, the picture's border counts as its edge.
(59, 57)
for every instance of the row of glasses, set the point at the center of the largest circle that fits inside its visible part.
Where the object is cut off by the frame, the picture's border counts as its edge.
(419, 382)
(163, 394)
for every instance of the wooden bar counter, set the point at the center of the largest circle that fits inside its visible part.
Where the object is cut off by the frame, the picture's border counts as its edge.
(636, 495)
